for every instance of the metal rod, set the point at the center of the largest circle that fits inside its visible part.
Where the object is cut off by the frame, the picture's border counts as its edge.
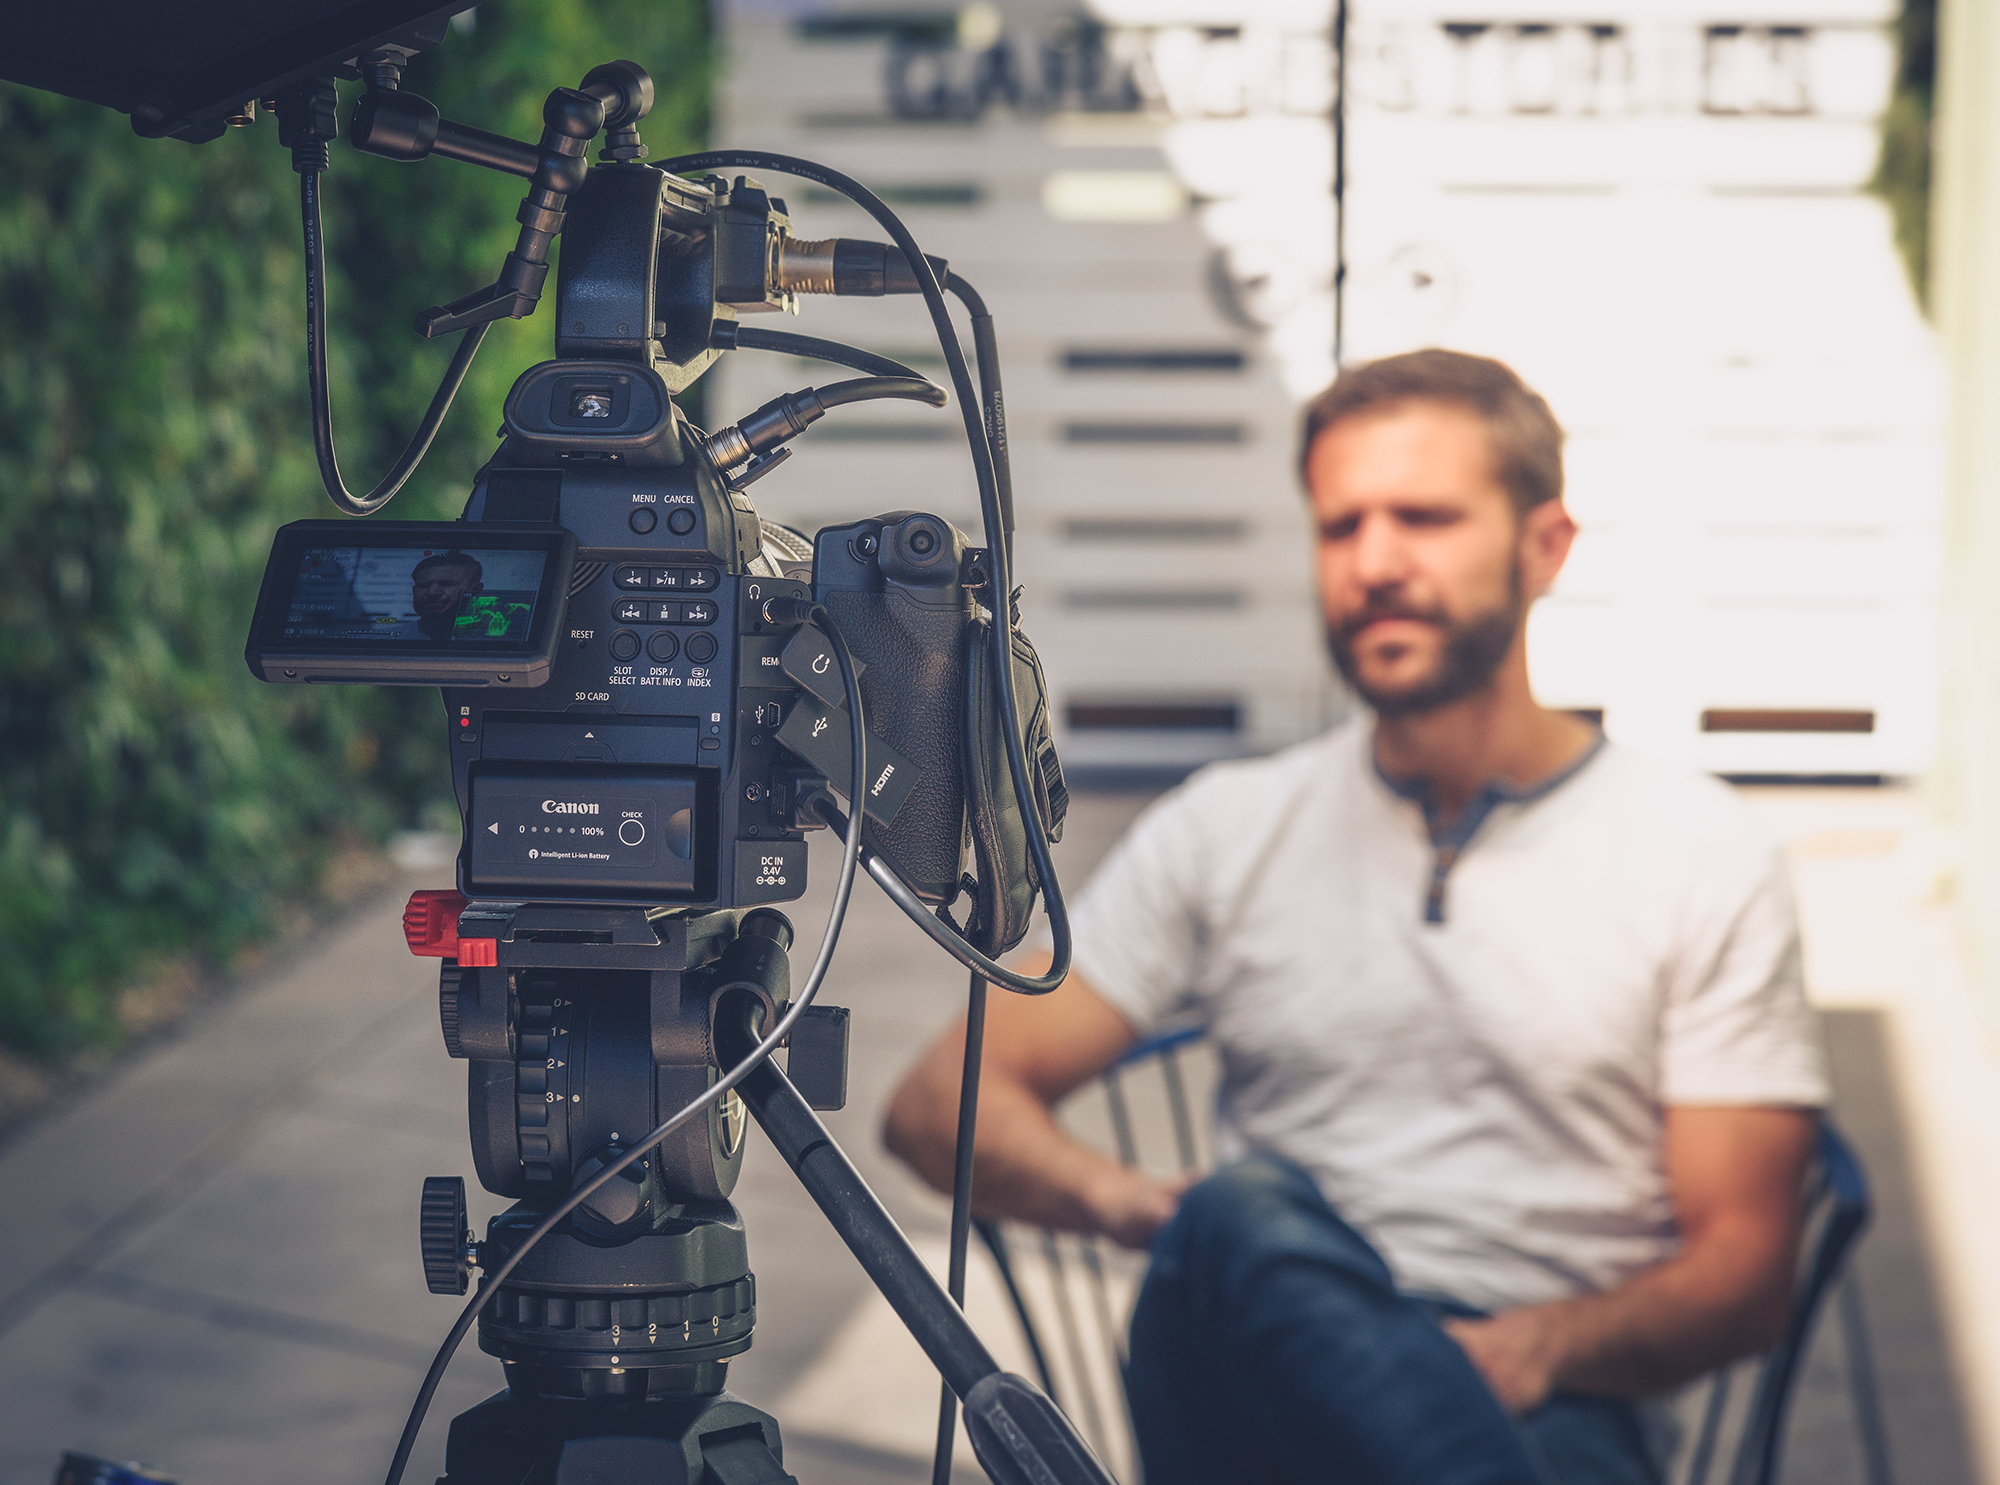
(996, 1244)
(1086, 1391)
(1861, 1386)
(1177, 1100)
(1121, 1120)
(870, 1233)
(1339, 183)
(961, 1203)
(1100, 1297)
(1711, 1428)
(494, 151)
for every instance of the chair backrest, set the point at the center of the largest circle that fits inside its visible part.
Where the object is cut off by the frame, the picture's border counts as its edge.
(1086, 1376)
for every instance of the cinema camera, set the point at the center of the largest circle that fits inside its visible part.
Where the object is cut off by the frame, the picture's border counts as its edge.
(652, 695)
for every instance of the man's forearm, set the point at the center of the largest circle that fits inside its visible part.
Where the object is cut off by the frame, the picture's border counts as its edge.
(1026, 1167)
(1735, 1173)
(1665, 1327)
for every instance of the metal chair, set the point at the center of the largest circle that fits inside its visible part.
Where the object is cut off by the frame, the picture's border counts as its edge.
(1837, 1212)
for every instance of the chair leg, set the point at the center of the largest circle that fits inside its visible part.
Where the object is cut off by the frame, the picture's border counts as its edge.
(1703, 1457)
(1177, 1100)
(1868, 1421)
(1121, 1119)
(1114, 1336)
(1100, 1297)
(996, 1244)
(1093, 1419)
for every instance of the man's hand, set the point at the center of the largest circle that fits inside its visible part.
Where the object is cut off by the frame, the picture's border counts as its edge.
(1129, 1206)
(1518, 1352)
(1735, 1175)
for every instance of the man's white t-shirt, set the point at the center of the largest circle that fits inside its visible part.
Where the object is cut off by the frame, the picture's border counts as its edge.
(1480, 1096)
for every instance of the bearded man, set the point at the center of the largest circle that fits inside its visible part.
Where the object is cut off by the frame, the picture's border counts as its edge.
(1518, 1078)
(437, 586)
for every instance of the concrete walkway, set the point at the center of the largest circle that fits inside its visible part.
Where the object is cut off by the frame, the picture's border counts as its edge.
(210, 1258)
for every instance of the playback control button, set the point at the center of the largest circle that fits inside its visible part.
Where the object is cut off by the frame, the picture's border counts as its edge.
(684, 579)
(668, 579)
(692, 611)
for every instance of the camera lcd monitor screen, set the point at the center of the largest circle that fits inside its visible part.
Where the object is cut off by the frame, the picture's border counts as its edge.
(423, 597)
(412, 603)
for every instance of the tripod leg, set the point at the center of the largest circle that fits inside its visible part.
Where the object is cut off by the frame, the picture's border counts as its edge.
(742, 1460)
(1017, 1434)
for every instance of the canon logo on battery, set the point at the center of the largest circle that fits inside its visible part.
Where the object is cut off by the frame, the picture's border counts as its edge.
(551, 807)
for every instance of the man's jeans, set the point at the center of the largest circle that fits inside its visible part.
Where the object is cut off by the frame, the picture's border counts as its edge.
(1270, 1344)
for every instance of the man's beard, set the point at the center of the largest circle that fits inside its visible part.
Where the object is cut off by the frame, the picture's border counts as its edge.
(1472, 651)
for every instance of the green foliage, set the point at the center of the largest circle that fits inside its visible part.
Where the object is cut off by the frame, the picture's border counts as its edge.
(1903, 168)
(153, 435)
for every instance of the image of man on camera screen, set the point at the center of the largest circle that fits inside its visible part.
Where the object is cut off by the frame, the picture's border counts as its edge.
(1518, 1079)
(438, 584)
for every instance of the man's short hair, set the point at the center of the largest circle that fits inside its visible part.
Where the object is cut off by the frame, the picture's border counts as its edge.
(463, 560)
(1526, 440)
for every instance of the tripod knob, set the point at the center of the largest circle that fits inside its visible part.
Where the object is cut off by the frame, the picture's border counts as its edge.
(620, 1206)
(445, 1237)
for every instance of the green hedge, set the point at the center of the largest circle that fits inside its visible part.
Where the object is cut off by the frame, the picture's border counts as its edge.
(153, 434)
(1903, 167)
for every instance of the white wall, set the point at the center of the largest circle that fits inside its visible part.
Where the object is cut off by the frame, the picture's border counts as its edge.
(1156, 572)
(1661, 223)
(1966, 293)
(1657, 214)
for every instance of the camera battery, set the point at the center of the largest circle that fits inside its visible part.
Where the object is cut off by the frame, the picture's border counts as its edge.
(583, 831)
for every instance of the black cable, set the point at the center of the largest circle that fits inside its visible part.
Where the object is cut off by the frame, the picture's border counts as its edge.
(322, 403)
(942, 933)
(736, 337)
(789, 414)
(986, 355)
(871, 388)
(843, 888)
(999, 558)
(1339, 184)
(961, 1203)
